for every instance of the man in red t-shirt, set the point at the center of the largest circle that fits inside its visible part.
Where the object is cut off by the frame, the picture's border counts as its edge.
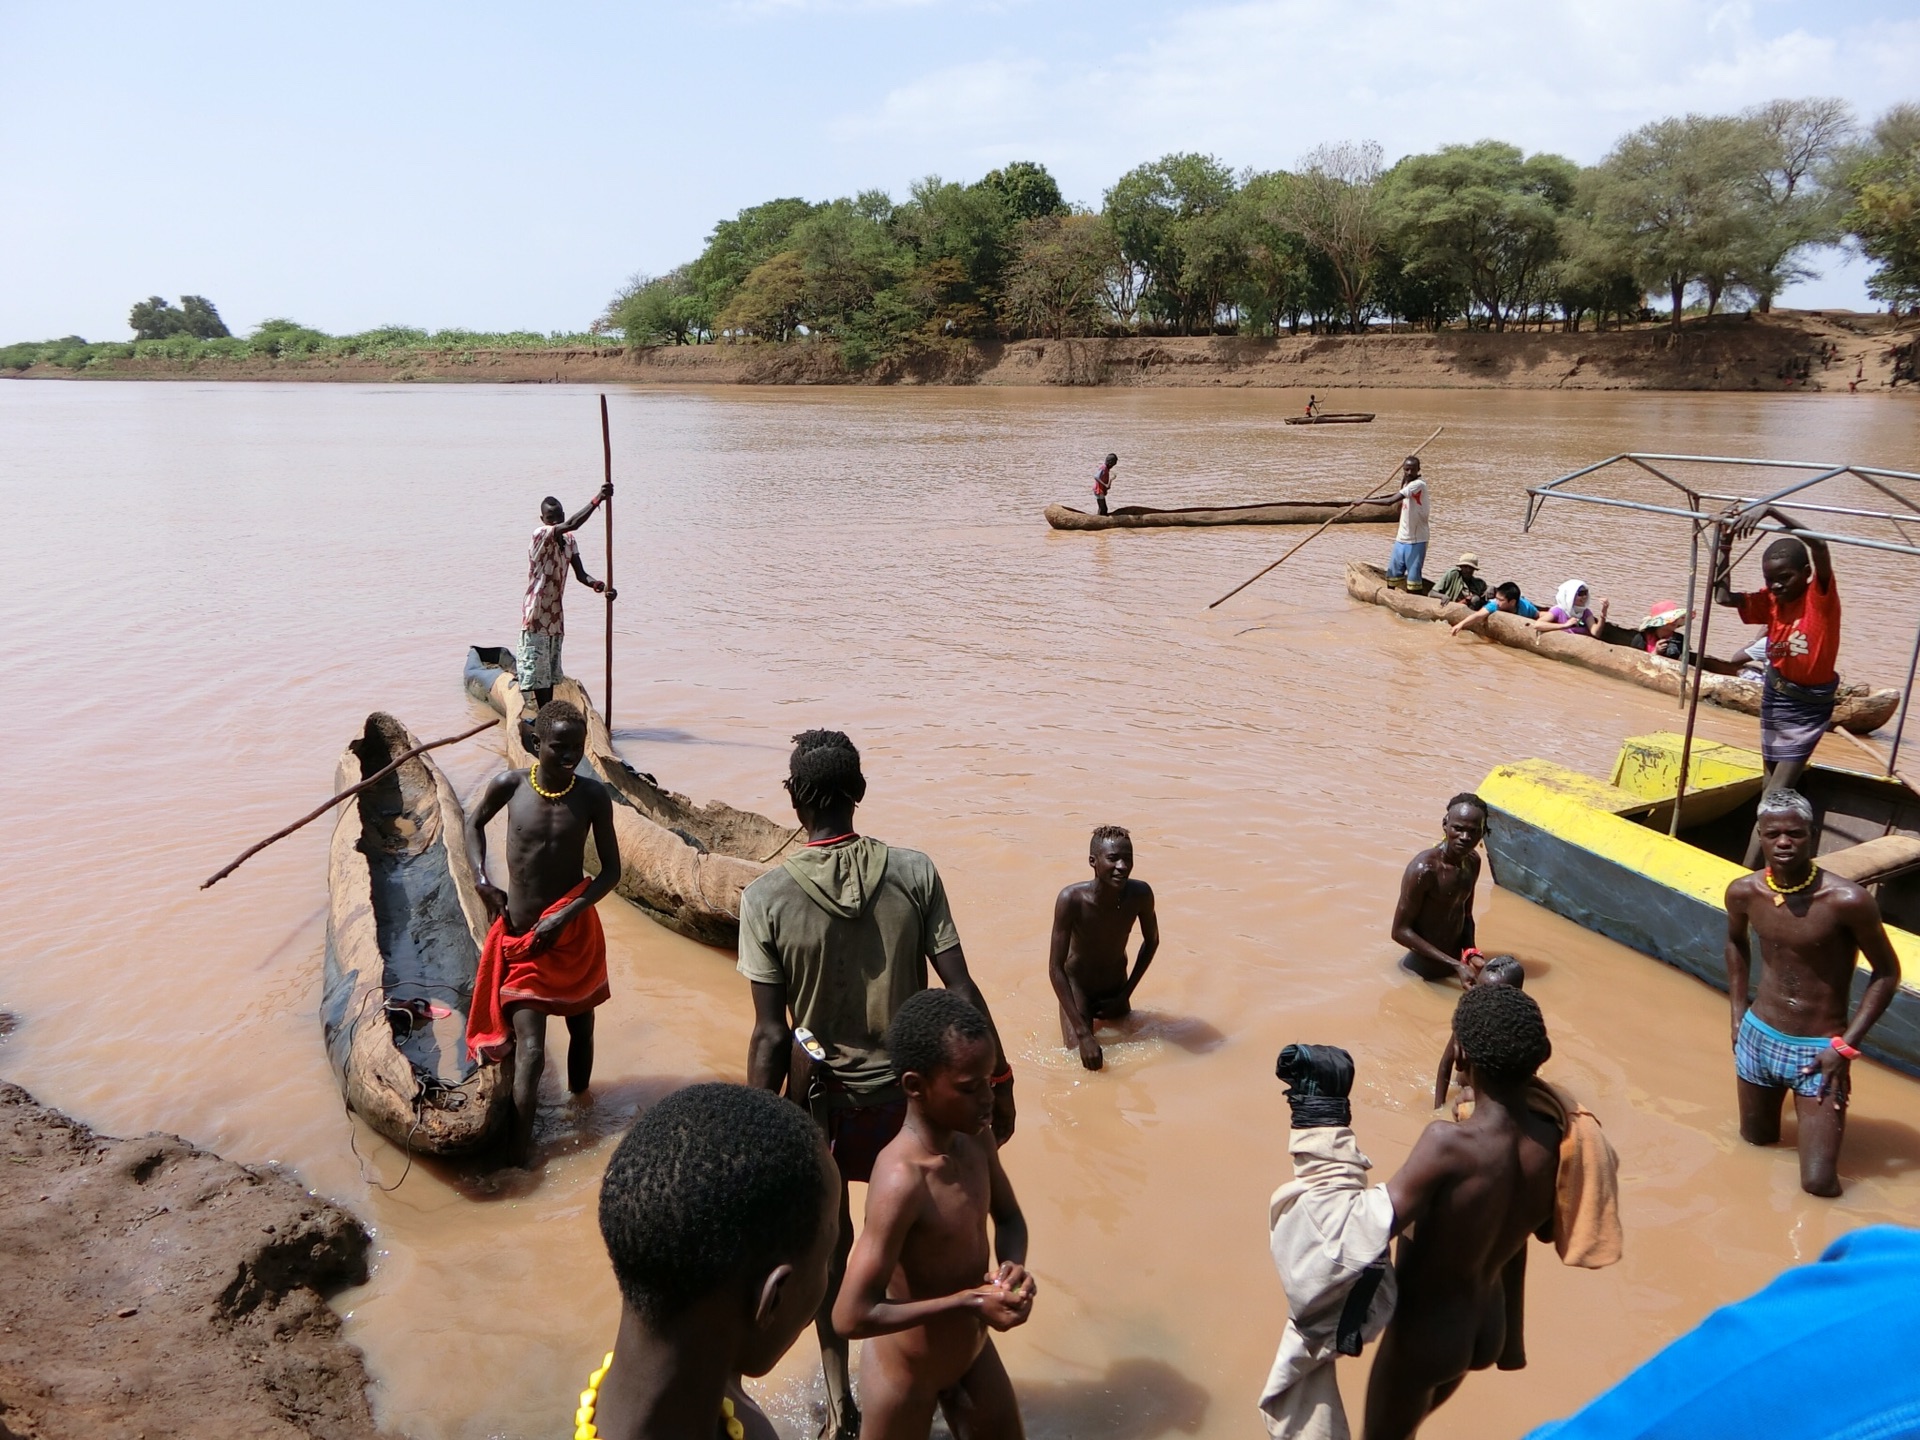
(1801, 609)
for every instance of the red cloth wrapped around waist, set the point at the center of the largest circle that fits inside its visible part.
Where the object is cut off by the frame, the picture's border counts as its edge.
(569, 977)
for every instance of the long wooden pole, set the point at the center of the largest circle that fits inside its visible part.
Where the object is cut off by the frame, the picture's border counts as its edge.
(606, 452)
(1699, 669)
(351, 790)
(1330, 521)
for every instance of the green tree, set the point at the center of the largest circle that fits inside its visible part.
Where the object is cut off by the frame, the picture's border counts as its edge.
(1883, 185)
(1026, 189)
(772, 302)
(964, 234)
(1799, 145)
(736, 246)
(660, 309)
(1271, 283)
(1334, 204)
(1056, 282)
(1164, 217)
(154, 319)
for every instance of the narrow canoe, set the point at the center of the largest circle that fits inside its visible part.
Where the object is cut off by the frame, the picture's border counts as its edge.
(685, 865)
(1348, 418)
(1599, 854)
(405, 924)
(1272, 512)
(1860, 710)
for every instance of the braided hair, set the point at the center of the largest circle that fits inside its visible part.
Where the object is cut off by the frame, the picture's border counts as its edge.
(825, 768)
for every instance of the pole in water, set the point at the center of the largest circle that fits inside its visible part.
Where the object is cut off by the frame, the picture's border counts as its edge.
(606, 453)
(1699, 666)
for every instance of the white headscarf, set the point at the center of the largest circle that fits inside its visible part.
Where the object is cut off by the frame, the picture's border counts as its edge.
(1564, 596)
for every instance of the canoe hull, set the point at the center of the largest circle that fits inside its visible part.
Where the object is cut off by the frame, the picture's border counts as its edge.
(405, 922)
(1277, 512)
(1860, 710)
(1357, 417)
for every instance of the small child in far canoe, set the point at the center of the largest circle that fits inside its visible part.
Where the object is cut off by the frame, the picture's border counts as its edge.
(1500, 970)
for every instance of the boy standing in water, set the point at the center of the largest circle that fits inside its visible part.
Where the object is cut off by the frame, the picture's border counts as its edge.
(1091, 923)
(1500, 970)
(921, 1285)
(1434, 917)
(545, 953)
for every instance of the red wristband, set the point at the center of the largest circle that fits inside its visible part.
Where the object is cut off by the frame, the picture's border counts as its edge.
(1839, 1042)
(1005, 1077)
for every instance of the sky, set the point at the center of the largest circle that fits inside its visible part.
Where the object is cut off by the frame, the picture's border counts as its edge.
(500, 167)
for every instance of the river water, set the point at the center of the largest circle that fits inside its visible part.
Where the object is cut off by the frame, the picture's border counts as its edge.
(215, 583)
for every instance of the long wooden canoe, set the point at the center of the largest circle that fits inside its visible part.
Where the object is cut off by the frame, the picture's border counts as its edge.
(1271, 512)
(1357, 417)
(1860, 709)
(404, 930)
(685, 865)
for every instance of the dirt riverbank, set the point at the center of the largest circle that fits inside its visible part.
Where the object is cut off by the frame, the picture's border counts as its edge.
(153, 1289)
(1780, 352)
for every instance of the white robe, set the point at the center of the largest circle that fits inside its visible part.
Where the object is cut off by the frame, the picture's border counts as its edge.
(1326, 1226)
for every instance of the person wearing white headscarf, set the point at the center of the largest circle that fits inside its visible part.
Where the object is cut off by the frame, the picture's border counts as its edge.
(1570, 611)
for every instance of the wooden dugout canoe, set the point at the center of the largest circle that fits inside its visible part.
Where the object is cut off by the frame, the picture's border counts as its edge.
(1271, 512)
(1860, 709)
(405, 923)
(1355, 417)
(685, 865)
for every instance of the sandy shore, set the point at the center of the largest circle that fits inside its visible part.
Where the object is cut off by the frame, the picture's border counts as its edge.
(1728, 353)
(154, 1289)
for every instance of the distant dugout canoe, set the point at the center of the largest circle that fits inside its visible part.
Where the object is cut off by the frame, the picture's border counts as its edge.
(1860, 710)
(1357, 417)
(1271, 512)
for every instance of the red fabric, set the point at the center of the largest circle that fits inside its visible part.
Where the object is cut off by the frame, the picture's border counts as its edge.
(1101, 484)
(1803, 637)
(569, 977)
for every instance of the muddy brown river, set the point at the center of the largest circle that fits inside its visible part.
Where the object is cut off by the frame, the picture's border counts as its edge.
(211, 585)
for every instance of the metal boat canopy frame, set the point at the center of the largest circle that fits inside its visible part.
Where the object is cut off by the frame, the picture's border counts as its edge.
(1689, 478)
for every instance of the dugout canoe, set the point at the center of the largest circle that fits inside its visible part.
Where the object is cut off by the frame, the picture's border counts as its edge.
(684, 864)
(1355, 417)
(405, 924)
(1860, 708)
(1598, 853)
(1270, 512)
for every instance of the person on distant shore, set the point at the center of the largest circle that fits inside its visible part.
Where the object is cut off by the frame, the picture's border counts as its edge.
(835, 940)
(545, 953)
(1103, 482)
(1801, 609)
(1506, 599)
(1812, 927)
(1464, 1205)
(543, 625)
(1499, 970)
(1571, 612)
(1462, 583)
(1433, 919)
(923, 1287)
(1092, 921)
(1410, 541)
(717, 1210)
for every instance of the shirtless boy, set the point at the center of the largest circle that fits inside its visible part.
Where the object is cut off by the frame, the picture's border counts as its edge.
(545, 954)
(922, 1287)
(1091, 924)
(1500, 970)
(1812, 928)
(1434, 917)
(1463, 1205)
(719, 1211)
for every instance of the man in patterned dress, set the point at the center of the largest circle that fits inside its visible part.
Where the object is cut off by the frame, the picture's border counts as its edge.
(542, 624)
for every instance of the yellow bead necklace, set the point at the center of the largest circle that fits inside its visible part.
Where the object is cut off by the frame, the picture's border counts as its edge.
(533, 779)
(1780, 892)
(583, 1426)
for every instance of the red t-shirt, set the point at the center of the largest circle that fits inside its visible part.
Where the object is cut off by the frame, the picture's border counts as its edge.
(1803, 636)
(1102, 482)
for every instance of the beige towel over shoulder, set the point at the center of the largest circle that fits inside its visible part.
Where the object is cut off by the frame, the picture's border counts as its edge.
(1326, 1227)
(1586, 1202)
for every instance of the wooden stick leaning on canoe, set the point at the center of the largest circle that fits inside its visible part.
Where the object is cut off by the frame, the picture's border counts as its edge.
(1323, 529)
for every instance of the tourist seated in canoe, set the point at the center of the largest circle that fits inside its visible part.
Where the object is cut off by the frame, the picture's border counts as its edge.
(1505, 599)
(1499, 970)
(1571, 612)
(1800, 607)
(1103, 482)
(545, 953)
(1433, 918)
(1087, 961)
(719, 1214)
(1813, 927)
(1660, 632)
(1410, 541)
(1462, 582)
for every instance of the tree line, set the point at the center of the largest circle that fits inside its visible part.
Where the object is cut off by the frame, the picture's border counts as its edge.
(1697, 211)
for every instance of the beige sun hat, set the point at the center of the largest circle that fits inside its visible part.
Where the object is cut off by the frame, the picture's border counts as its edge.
(1664, 612)
(1469, 559)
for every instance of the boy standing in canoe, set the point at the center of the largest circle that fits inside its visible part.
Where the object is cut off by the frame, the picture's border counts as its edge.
(543, 625)
(1103, 482)
(1087, 962)
(1410, 542)
(1433, 919)
(1813, 927)
(545, 954)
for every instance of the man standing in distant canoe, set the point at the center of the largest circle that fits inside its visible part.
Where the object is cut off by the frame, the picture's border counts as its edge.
(1410, 544)
(1103, 482)
(543, 626)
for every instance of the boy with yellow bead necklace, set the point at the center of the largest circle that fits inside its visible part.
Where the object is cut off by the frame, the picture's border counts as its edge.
(720, 1211)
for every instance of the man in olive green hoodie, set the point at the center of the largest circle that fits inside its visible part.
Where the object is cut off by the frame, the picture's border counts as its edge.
(835, 940)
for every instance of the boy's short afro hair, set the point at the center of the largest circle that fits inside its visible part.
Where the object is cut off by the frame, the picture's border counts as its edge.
(714, 1182)
(1790, 548)
(825, 768)
(557, 712)
(1104, 833)
(1501, 1031)
(917, 1038)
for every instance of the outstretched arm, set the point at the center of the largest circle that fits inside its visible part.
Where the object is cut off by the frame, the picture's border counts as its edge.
(498, 792)
(1443, 1078)
(585, 512)
(1149, 938)
(951, 966)
(770, 1050)
(1073, 1004)
(1816, 549)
